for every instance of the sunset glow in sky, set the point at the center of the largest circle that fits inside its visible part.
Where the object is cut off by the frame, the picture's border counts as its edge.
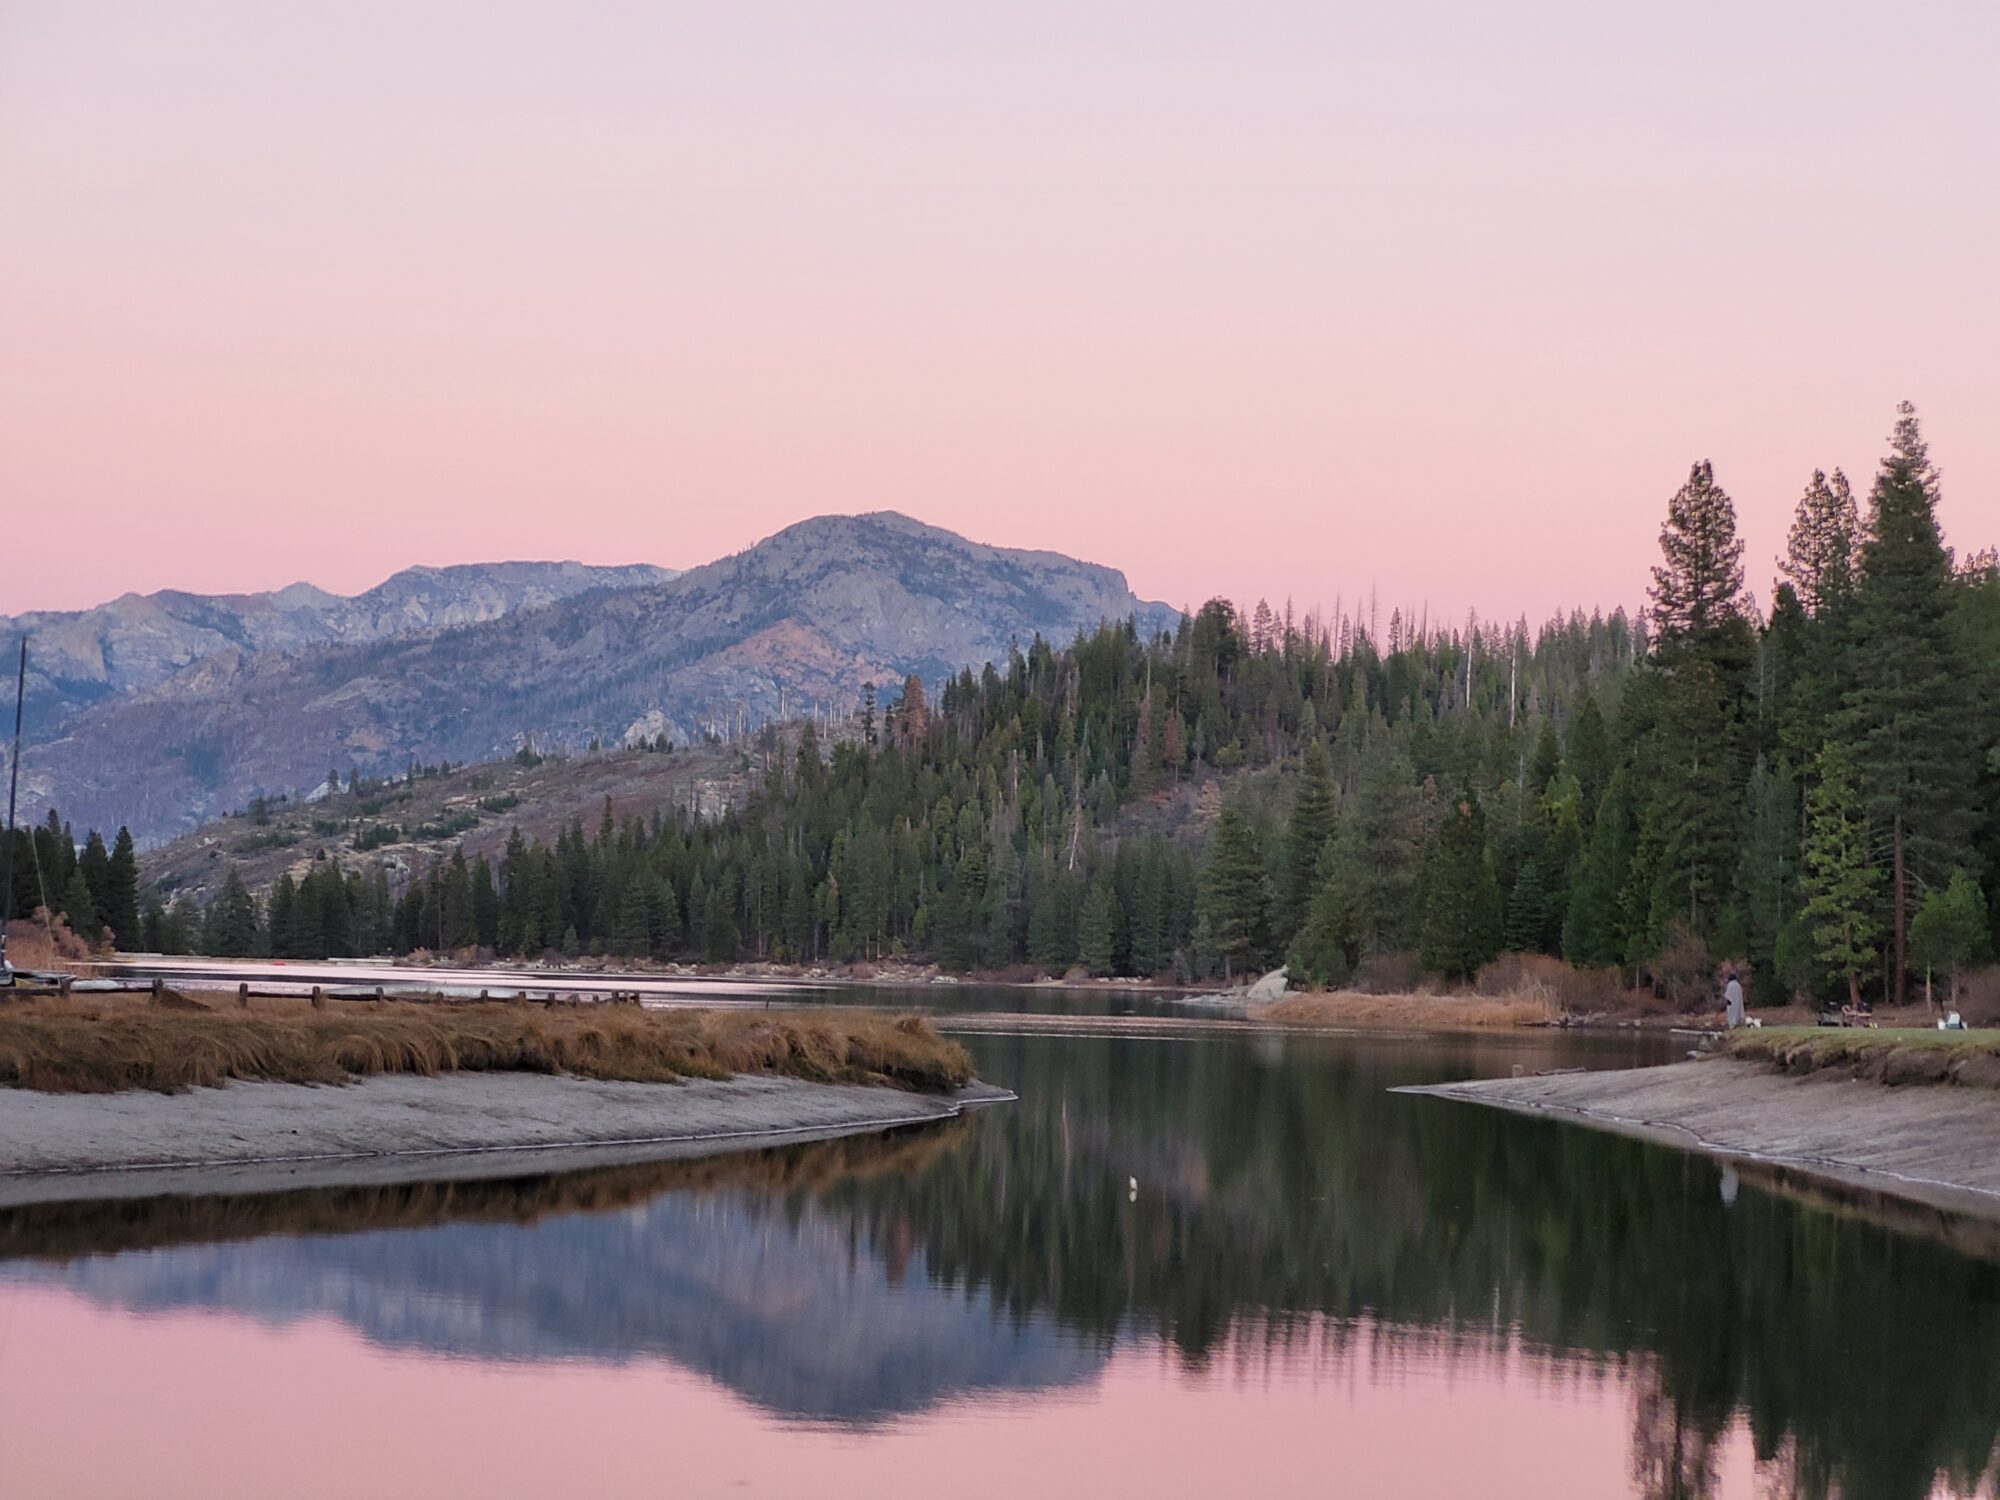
(1250, 298)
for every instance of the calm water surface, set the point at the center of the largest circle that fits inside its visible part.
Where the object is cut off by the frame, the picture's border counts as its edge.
(1315, 1287)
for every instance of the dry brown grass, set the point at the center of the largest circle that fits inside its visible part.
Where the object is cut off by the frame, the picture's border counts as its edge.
(1537, 976)
(104, 1044)
(1431, 1012)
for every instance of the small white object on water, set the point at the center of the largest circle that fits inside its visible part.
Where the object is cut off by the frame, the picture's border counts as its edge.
(1131, 1190)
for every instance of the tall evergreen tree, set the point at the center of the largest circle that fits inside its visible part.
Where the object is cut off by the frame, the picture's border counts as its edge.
(1096, 928)
(1691, 745)
(80, 909)
(121, 892)
(1311, 825)
(1594, 930)
(230, 930)
(94, 865)
(1462, 907)
(1767, 869)
(1698, 584)
(1328, 943)
(1907, 711)
(1235, 893)
(1819, 552)
(1840, 884)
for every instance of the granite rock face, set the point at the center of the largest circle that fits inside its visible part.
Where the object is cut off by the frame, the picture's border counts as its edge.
(138, 641)
(801, 621)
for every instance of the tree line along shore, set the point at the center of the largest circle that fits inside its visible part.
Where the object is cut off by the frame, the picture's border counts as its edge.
(1809, 792)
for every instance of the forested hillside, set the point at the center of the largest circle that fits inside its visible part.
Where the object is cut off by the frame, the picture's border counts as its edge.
(1814, 794)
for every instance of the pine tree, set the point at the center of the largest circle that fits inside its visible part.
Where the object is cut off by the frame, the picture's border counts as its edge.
(1378, 852)
(1767, 870)
(1546, 760)
(1906, 713)
(152, 924)
(1594, 931)
(485, 905)
(663, 916)
(1001, 903)
(720, 935)
(1819, 552)
(284, 901)
(1698, 585)
(1096, 928)
(1690, 742)
(302, 935)
(231, 931)
(1051, 943)
(1328, 943)
(1235, 893)
(1462, 906)
(456, 926)
(1149, 923)
(1527, 912)
(632, 937)
(94, 865)
(1840, 885)
(1305, 838)
(121, 892)
(80, 909)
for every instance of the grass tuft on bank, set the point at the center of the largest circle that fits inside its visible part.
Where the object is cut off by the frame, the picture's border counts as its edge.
(1890, 1055)
(114, 1043)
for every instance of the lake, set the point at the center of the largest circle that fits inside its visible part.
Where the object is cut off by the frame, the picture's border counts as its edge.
(1181, 1265)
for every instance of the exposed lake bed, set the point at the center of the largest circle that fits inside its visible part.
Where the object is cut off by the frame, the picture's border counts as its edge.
(1932, 1144)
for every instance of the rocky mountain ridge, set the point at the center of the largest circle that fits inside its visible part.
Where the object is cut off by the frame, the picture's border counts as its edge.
(138, 641)
(805, 617)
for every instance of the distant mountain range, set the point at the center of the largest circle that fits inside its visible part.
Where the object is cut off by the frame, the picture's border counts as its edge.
(162, 711)
(137, 641)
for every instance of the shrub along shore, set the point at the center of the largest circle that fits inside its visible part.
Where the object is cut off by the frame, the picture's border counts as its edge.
(114, 1043)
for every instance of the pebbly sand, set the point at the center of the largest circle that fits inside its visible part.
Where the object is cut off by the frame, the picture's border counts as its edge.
(1932, 1144)
(253, 1137)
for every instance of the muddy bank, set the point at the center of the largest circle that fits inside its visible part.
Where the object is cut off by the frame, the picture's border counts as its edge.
(258, 1137)
(1939, 1146)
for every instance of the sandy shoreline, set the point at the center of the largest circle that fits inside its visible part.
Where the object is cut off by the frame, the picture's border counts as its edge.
(1930, 1144)
(248, 1137)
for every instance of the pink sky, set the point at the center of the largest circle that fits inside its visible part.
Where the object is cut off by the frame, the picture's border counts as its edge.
(1256, 298)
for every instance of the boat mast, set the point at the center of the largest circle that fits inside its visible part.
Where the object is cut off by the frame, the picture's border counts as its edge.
(7, 847)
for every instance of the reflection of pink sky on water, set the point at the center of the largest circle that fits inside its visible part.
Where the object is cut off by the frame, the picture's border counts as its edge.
(99, 1403)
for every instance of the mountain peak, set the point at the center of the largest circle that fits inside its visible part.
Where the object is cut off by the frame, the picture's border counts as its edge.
(805, 617)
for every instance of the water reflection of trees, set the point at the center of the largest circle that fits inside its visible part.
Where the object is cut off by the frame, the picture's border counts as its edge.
(1276, 1189)
(1288, 1209)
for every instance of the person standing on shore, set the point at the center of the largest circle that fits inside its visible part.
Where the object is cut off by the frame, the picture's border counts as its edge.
(1732, 1000)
